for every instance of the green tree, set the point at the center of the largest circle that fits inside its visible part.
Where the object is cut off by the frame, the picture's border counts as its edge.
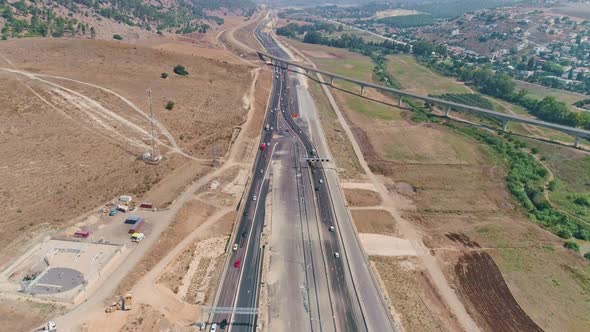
(169, 105)
(572, 245)
(532, 63)
(180, 70)
(313, 37)
(164, 75)
(117, 37)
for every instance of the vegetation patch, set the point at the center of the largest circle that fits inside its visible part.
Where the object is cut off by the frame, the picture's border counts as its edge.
(526, 181)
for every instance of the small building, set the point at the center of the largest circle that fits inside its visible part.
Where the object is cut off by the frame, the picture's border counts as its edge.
(132, 219)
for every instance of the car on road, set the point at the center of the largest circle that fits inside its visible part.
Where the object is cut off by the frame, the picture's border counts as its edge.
(235, 247)
(254, 198)
(321, 181)
(244, 233)
(336, 254)
(213, 327)
(237, 264)
(331, 228)
(261, 171)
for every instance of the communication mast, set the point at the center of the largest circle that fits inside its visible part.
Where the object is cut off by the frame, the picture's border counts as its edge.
(152, 157)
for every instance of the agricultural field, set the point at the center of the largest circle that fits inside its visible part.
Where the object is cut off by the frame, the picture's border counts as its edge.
(451, 188)
(418, 79)
(538, 91)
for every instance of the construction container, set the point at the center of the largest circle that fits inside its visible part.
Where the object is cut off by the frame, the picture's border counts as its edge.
(136, 226)
(82, 234)
(146, 205)
(132, 219)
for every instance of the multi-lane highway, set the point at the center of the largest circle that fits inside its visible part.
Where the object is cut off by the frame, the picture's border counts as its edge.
(333, 300)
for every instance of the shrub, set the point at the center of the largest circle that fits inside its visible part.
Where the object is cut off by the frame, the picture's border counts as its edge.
(572, 245)
(582, 200)
(534, 150)
(117, 37)
(564, 233)
(587, 255)
(552, 185)
(180, 70)
(164, 75)
(170, 105)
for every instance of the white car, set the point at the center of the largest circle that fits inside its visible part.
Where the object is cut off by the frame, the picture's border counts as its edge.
(235, 248)
(213, 327)
(336, 254)
(137, 237)
(331, 228)
(254, 198)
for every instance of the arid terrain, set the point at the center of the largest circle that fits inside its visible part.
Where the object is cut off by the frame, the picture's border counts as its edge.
(76, 122)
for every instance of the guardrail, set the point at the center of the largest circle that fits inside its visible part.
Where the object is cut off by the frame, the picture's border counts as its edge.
(577, 133)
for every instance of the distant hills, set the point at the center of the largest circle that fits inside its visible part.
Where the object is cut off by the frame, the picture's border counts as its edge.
(57, 18)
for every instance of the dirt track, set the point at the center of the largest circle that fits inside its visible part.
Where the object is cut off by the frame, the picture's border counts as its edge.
(482, 283)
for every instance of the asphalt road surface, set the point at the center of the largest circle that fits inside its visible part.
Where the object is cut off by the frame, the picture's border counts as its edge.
(336, 306)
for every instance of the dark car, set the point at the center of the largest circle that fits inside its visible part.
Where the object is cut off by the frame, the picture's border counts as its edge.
(244, 233)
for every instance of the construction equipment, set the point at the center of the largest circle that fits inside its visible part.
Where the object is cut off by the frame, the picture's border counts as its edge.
(127, 301)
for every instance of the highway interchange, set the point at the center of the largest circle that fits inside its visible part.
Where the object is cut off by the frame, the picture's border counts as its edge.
(318, 261)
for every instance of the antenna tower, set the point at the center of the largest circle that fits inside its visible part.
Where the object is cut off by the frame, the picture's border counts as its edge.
(153, 156)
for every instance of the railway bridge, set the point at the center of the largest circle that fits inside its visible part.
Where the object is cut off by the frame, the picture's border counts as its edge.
(448, 106)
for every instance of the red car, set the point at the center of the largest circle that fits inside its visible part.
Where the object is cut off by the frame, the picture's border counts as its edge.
(237, 263)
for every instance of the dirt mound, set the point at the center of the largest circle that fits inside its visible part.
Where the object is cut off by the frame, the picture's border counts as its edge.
(481, 282)
(361, 197)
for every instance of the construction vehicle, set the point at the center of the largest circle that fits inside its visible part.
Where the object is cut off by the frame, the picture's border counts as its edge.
(127, 301)
(124, 303)
(137, 237)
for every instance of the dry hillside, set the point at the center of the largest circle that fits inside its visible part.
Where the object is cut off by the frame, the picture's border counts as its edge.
(75, 119)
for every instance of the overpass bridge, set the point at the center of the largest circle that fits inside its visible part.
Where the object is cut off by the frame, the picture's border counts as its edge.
(577, 133)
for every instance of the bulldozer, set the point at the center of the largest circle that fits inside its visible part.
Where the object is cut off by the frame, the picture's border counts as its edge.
(124, 303)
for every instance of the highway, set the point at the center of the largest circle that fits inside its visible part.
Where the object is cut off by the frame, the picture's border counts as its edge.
(319, 262)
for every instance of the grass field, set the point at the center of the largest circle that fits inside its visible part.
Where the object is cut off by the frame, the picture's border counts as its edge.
(571, 168)
(540, 92)
(416, 78)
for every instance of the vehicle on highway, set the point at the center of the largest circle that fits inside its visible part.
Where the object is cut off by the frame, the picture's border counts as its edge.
(213, 327)
(235, 247)
(262, 146)
(254, 198)
(321, 181)
(237, 264)
(331, 228)
(223, 324)
(244, 233)
(336, 254)
(261, 171)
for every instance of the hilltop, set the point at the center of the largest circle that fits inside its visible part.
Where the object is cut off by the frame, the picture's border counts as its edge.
(105, 18)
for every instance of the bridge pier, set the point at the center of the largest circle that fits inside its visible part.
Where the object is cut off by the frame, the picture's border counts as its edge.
(331, 80)
(504, 125)
(447, 111)
(362, 89)
(577, 142)
(399, 102)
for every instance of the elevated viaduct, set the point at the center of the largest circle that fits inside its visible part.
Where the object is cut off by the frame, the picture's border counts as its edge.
(448, 106)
